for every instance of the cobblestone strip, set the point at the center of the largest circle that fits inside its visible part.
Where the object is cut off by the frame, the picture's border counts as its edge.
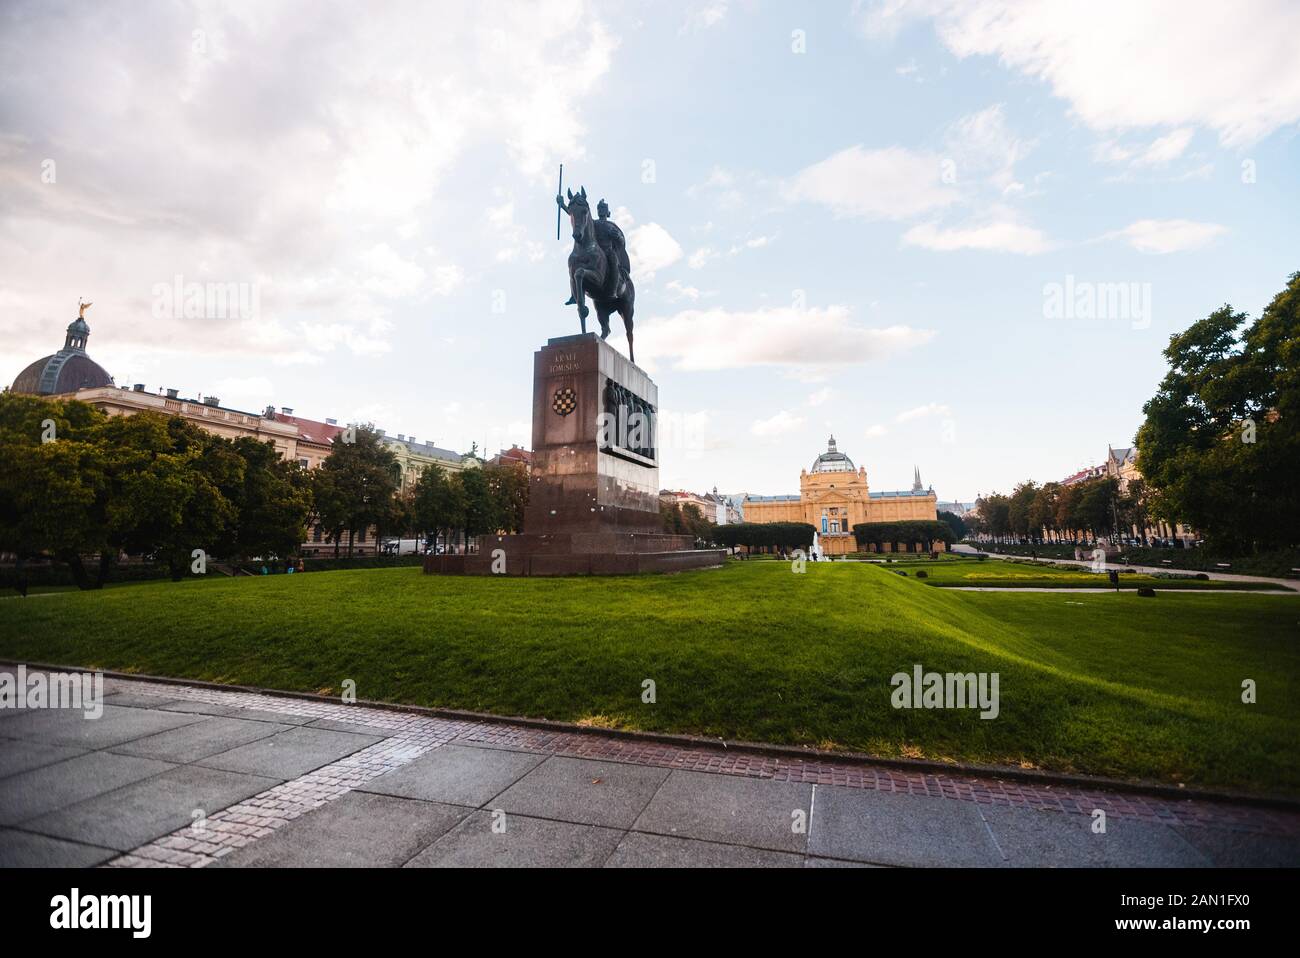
(818, 771)
(259, 816)
(413, 735)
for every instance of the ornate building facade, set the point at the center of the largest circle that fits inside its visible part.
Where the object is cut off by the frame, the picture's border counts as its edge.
(834, 497)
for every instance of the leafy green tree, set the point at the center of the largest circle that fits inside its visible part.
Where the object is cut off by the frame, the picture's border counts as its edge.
(355, 485)
(438, 506)
(54, 495)
(273, 501)
(509, 486)
(995, 509)
(1019, 511)
(166, 497)
(955, 523)
(1220, 446)
(481, 514)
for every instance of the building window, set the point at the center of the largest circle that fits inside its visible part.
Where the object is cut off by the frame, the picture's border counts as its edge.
(361, 536)
(303, 464)
(824, 521)
(835, 527)
(316, 534)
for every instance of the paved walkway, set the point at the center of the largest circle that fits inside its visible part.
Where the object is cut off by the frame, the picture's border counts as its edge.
(185, 776)
(1286, 584)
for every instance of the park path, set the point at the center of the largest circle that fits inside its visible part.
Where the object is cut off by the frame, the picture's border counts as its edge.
(178, 775)
(1286, 584)
(1103, 589)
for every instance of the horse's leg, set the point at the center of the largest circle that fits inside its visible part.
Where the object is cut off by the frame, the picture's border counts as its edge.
(579, 275)
(602, 313)
(625, 310)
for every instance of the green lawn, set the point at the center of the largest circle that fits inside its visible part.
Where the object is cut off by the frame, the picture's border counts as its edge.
(999, 573)
(1104, 683)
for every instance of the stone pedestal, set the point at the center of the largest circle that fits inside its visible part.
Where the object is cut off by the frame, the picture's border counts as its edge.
(593, 500)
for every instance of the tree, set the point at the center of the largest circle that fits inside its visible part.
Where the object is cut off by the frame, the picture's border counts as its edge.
(273, 502)
(1019, 510)
(955, 523)
(1220, 446)
(996, 512)
(509, 486)
(54, 495)
(481, 514)
(166, 478)
(1042, 511)
(918, 534)
(437, 505)
(355, 485)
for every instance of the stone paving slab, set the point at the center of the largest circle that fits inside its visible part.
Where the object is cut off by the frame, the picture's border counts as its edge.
(130, 698)
(290, 754)
(739, 811)
(25, 850)
(116, 725)
(900, 830)
(28, 794)
(142, 811)
(455, 775)
(581, 791)
(357, 830)
(18, 756)
(638, 850)
(189, 743)
(525, 843)
(1234, 849)
(1029, 838)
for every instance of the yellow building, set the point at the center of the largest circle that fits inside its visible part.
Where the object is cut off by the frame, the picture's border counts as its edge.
(834, 497)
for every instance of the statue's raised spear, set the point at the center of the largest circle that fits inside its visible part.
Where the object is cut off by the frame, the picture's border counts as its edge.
(559, 191)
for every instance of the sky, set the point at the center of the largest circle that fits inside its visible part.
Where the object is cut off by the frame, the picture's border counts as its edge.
(956, 234)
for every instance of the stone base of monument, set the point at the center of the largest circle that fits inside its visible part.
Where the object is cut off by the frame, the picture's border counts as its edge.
(593, 502)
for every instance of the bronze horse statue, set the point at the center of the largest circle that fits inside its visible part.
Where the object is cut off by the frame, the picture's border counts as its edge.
(598, 267)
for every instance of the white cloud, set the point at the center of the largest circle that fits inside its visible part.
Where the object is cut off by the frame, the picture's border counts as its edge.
(1007, 237)
(651, 248)
(678, 291)
(920, 412)
(820, 396)
(891, 183)
(1168, 236)
(1132, 65)
(1159, 152)
(700, 258)
(984, 149)
(704, 15)
(778, 425)
(783, 337)
(876, 431)
(388, 274)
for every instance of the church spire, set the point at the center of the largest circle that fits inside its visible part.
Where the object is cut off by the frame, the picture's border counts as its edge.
(916, 481)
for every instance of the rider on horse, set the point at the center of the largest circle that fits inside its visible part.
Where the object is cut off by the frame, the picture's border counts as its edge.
(610, 239)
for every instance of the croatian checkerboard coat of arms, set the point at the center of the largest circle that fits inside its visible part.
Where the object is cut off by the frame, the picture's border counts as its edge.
(565, 401)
